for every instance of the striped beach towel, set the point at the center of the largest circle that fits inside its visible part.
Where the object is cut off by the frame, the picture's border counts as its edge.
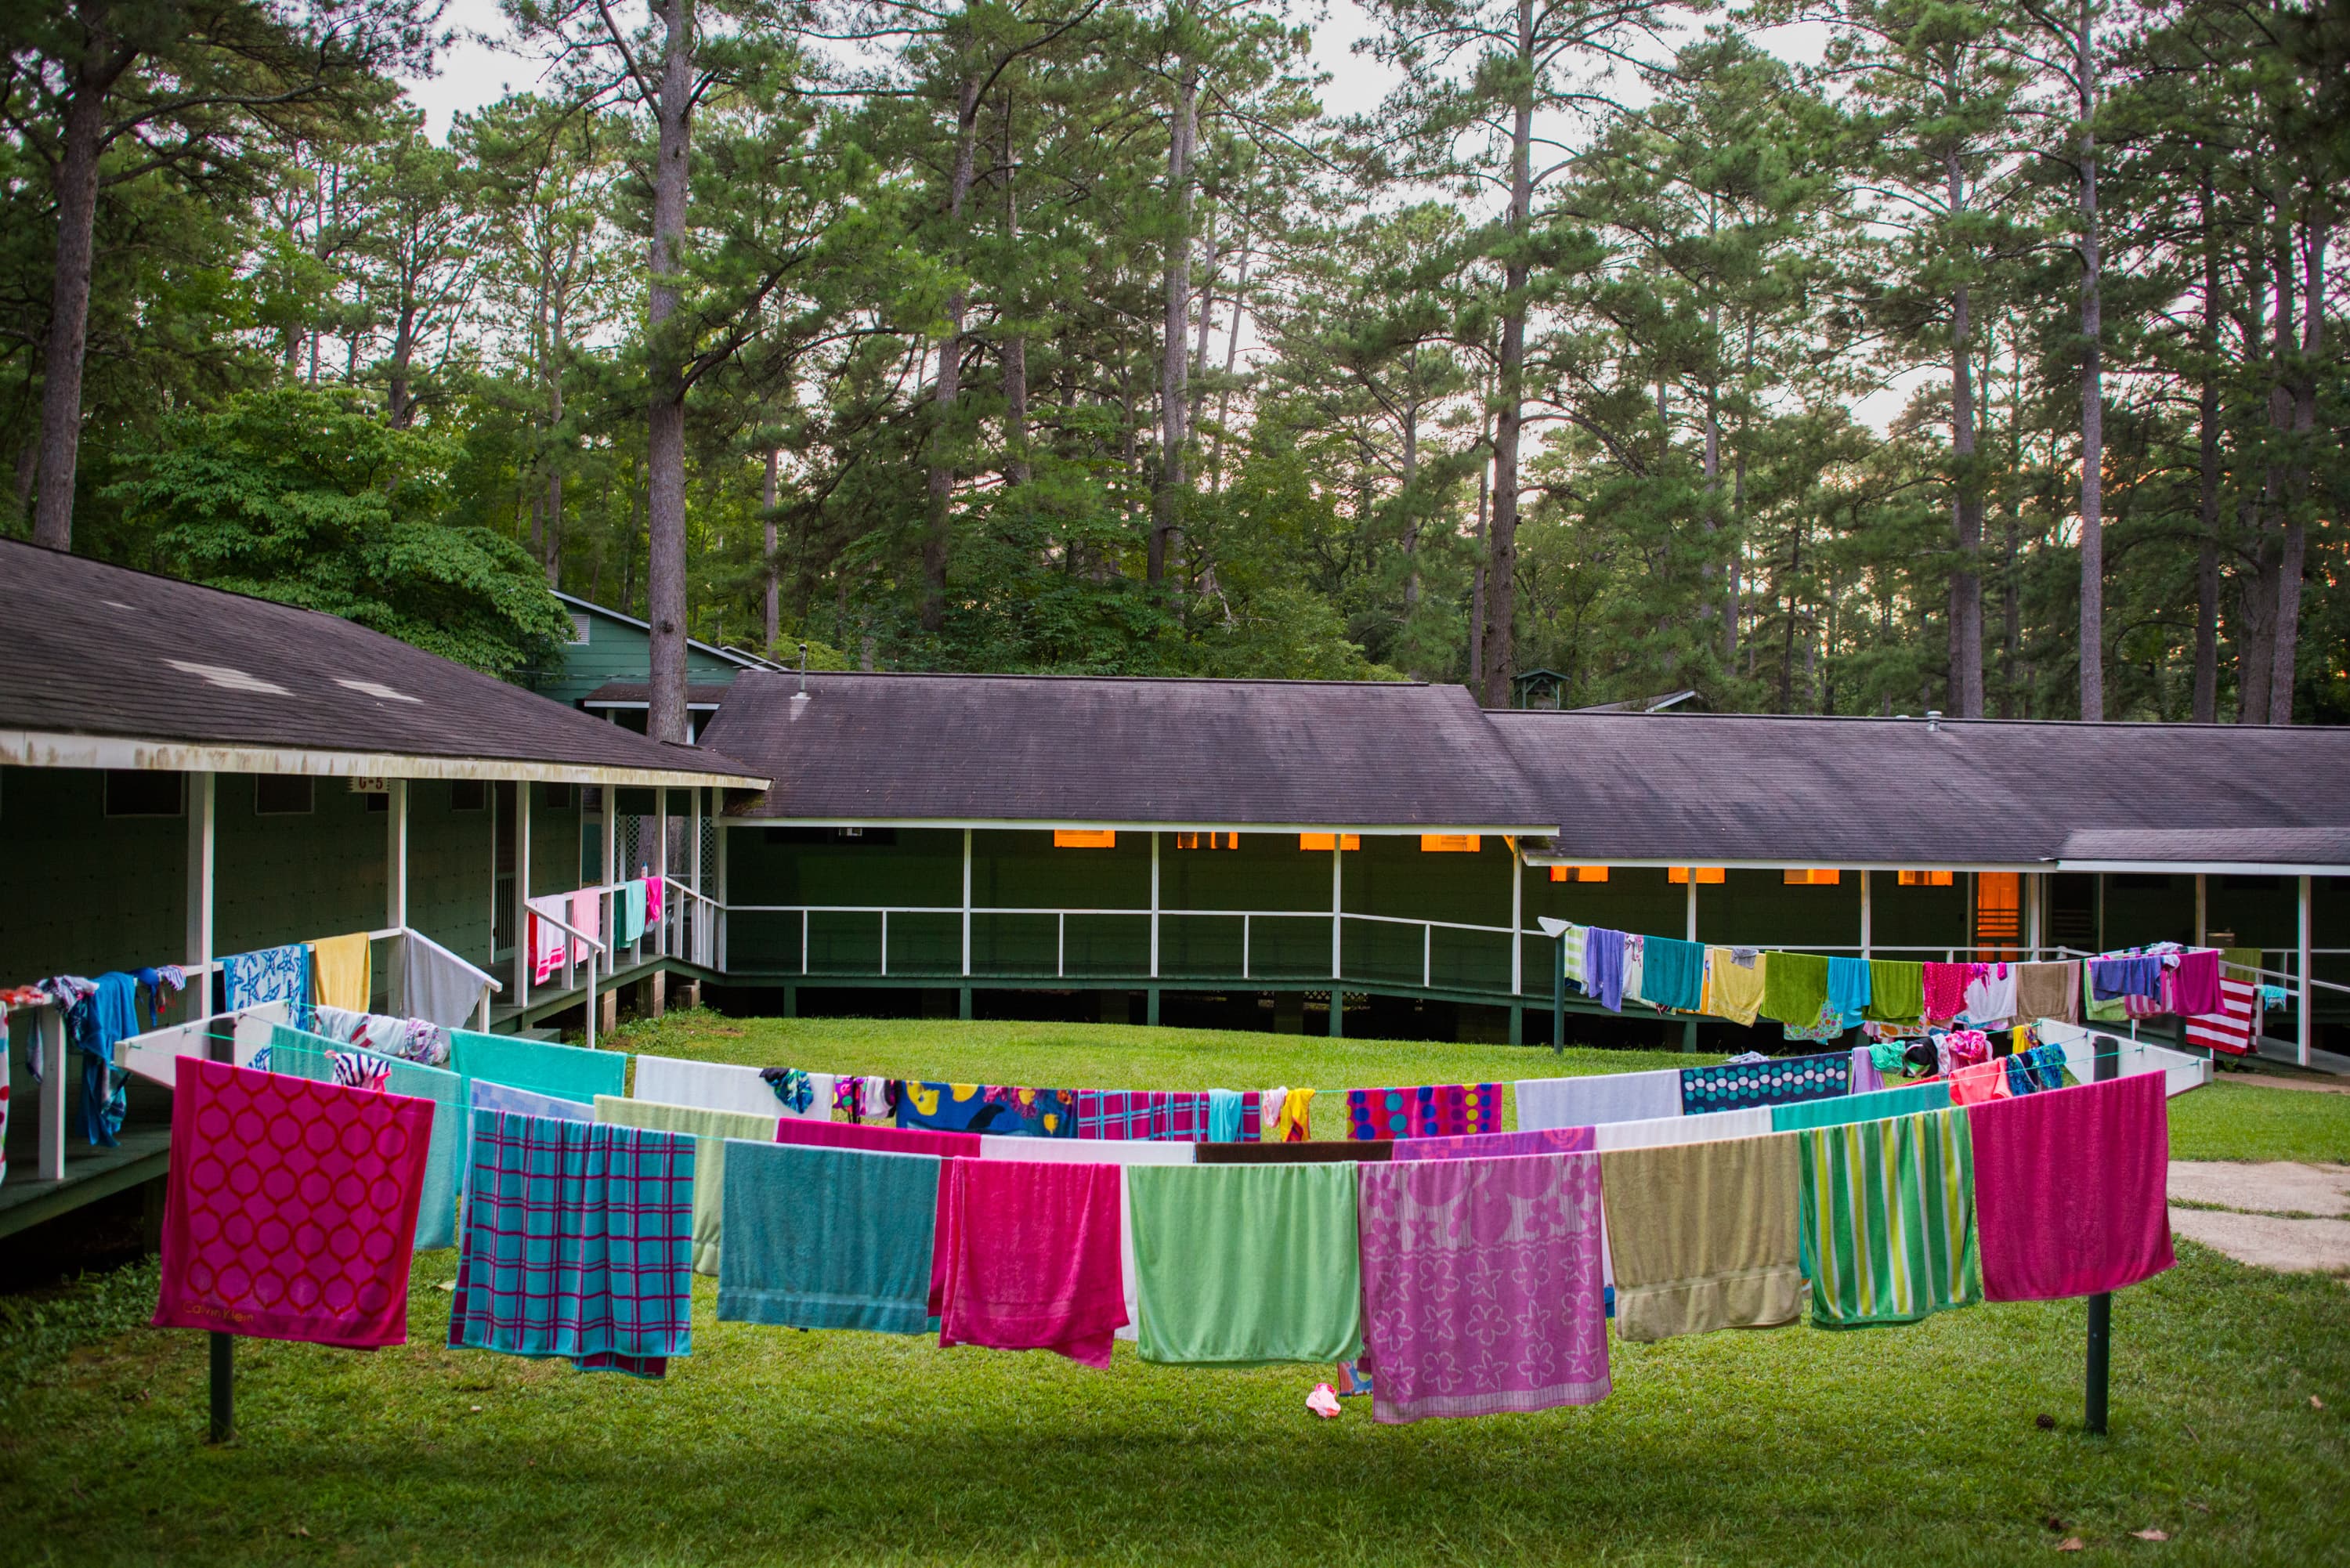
(1888, 1219)
(2230, 1028)
(577, 1241)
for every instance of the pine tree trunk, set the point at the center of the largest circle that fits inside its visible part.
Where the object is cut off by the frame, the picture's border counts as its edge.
(774, 607)
(2206, 559)
(1232, 359)
(554, 556)
(1016, 468)
(69, 335)
(949, 390)
(1966, 515)
(2093, 399)
(1166, 521)
(2291, 555)
(667, 718)
(1477, 586)
(1502, 579)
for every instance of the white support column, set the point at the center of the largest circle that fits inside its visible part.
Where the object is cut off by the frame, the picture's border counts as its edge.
(720, 953)
(2308, 1030)
(694, 878)
(660, 869)
(1868, 881)
(52, 1025)
(966, 892)
(395, 856)
(1154, 906)
(614, 872)
(1338, 908)
(2035, 890)
(2202, 910)
(1689, 924)
(1517, 922)
(204, 847)
(522, 892)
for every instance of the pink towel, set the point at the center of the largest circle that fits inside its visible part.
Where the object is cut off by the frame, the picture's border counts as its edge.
(1482, 1288)
(2195, 984)
(291, 1210)
(887, 1140)
(652, 900)
(1946, 988)
(1499, 1145)
(1028, 1257)
(2069, 1188)
(587, 915)
(546, 938)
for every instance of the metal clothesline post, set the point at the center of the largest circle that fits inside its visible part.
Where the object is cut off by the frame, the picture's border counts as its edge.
(2101, 1309)
(222, 1350)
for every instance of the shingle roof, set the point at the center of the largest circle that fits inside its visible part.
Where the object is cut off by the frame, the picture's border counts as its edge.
(2326, 846)
(1767, 790)
(637, 693)
(101, 651)
(1019, 748)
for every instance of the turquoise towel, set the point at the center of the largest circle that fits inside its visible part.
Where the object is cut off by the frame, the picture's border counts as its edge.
(632, 911)
(819, 1236)
(567, 1072)
(1848, 988)
(1223, 1116)
(1671, 971)
(1873, 1107)
(300, 1055)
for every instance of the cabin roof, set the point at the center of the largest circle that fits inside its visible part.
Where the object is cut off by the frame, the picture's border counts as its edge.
(1073, 750)
(108, 667)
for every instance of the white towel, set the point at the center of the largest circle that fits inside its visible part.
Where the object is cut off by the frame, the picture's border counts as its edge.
(1991, 996)
(1120, 1152)
(1597, 1098)
(724, 1086)
(1712, 1126)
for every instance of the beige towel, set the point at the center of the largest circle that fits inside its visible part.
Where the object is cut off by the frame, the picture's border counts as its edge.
(711, 1129)
(2048, 991)
(1732, 989)
(1704, 1235)
(345, 977)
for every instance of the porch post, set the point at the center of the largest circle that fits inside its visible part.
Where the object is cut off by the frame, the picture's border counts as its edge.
(395, 871)
(1154, 907)
(966, 897)
(719, 918)
(2033, 886)
(1517, 922)
(522, 893)
(1867, 880)
(2202, 910)
(1338, 926)
(614, 873)
(693, 871)
(2308, 1031)
(660, 869)
(204, 842)
(1689, 1026)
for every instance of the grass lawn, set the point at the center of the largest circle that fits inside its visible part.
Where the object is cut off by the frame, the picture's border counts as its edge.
(1919, 1444)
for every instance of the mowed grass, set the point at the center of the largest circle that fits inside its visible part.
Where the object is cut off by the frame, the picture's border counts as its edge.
(1913, 1445)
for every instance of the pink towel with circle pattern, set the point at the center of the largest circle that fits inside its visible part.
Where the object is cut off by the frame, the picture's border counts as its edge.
(291, 1212)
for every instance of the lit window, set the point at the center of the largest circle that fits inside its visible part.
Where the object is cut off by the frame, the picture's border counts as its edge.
(1925, 879)
(1797, 879)
(1450, 842)
(1084, 839)
(1207, 841)
(1329, 841)
(1705, 874)
(1578, 873)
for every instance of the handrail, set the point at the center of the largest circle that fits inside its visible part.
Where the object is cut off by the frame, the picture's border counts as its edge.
(563, 924)
(2288, 976)
(476, 971)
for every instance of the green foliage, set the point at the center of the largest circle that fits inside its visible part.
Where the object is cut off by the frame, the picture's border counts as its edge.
(310, 498)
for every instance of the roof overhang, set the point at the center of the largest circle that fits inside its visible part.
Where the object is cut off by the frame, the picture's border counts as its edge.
(34, 749)
(2209, 868)
(1106, 824)
(1925, 863)
(692, 707)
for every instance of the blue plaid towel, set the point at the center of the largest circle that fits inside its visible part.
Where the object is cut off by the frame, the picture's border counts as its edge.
(578, 1240)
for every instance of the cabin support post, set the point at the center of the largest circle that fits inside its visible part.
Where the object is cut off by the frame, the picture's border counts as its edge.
(966, 910)
(2101, 1311)
(1150, 1006)
(222, 1348)
(1558, 999)
(1154, 923)
(1689, 933)
(2307, 1009)
(203, 850)
(1337, 936)
(1866, 912)
(395, 858)
(522, 897)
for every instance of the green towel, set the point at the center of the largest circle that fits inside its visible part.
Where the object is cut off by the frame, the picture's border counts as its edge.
(300, 1055)
(828, 1238)
(1871, 1105)
(1795, 988)
(567, 1072)
(1241, 1264)
(711, 1129)
(1888, 1219)
(1897, 990)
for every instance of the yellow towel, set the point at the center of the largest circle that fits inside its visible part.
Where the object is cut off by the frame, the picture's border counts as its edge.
(1733, 991)
(1704, 1235)
(1297, 1113)
(345, 978)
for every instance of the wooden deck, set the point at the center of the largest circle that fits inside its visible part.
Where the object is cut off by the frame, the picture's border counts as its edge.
(144, 1154)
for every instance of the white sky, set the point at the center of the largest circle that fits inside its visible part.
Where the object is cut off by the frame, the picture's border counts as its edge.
(477, 72)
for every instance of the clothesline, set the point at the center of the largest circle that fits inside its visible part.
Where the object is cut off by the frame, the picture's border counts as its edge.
(1013, 1242)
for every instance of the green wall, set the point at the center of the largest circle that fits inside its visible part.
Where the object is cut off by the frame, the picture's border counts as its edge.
(615, 651)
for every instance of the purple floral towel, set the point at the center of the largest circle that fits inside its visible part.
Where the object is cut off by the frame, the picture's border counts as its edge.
(1482, 1285)
(1496, 1145)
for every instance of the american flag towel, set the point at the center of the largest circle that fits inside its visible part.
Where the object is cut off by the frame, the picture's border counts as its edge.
(578, 1238)
(2230, 1028)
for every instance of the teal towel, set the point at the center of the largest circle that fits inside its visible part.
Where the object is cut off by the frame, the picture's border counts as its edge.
(819, 1236)
(1223, 1116)
(300, 1055)
(1848, 988)
(1671, 971)
(1872, 1107)
(632, 911)
(567, 1072)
